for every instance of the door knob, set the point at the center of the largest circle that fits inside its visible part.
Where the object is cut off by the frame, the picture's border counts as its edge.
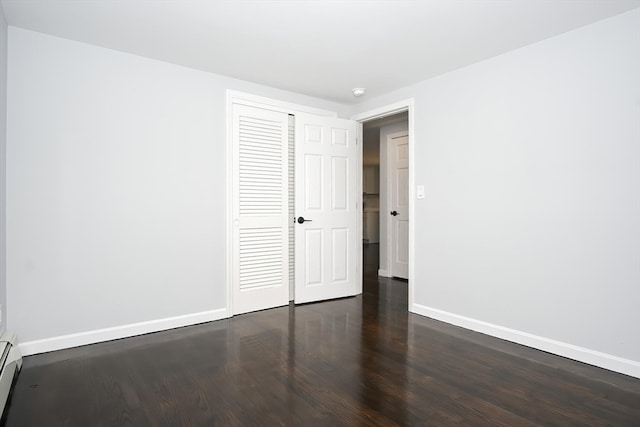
(301, 220)
(394, 213)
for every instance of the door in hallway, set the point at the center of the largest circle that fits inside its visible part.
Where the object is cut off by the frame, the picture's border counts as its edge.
(399, 212)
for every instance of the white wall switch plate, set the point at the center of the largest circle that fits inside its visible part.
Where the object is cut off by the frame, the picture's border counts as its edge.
(420, 191)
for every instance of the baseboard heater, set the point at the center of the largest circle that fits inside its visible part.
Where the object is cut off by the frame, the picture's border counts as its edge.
(10, 363)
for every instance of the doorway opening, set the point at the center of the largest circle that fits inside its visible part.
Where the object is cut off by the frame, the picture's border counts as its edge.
(387, 193)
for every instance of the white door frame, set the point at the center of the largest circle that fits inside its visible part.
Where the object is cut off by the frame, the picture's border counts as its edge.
(389, 110)
(235, 97)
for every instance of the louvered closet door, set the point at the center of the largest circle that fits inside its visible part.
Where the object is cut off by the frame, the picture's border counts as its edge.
(260, 209)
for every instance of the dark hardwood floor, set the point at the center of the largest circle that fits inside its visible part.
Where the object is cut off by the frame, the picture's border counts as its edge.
(360, 361)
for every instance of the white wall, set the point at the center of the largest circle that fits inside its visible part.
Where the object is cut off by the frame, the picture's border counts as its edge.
(384, 268)
(3, 146)
(530, 228)
(115, 190)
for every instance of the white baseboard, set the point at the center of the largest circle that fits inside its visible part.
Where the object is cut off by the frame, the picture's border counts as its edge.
(383, 273)
(592, 357)
(124, 331)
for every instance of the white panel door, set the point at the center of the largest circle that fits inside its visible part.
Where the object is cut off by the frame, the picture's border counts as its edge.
(327, 241)
(260, 209)
(399, 213)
